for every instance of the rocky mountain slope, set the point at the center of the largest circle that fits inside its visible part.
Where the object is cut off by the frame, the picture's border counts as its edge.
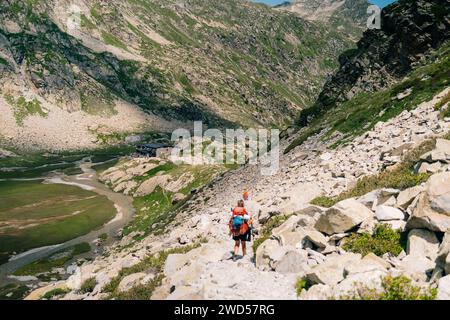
(349, 16)
(226, 63)
(359, 209)
(409, 29)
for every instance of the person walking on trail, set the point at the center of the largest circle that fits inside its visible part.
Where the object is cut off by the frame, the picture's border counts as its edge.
(240, 228)
(245, 195)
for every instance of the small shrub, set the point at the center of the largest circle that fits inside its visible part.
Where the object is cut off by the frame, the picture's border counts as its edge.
(302, 284)
(443, 101)
(266, 231)
(88, 285)
(54, 293)
(384, 240)
(324, 201)
(395, 288)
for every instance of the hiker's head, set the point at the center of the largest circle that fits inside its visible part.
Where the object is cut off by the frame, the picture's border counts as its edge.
(240, 203)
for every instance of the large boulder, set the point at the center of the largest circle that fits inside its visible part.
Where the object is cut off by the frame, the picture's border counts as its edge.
(423, 243)
(317, 292)
(444, 252)
(150, 185)
(265, 253)
(379, 197)
(317, 239)
(357, 283)
(406, 197)
(440, 153)
(293, 261)
(343, 217)
(417, 267)
(332, 271)
(386, 213)
(438, 190)
(432, 211)
(367, 264)
(444, 288)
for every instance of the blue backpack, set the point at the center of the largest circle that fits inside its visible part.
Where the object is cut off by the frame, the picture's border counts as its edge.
(238, 221)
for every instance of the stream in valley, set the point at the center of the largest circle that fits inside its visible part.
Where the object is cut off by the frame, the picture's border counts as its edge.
(86, 180)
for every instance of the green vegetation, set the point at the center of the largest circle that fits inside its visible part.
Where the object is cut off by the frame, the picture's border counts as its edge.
(88, 285)
(55, 293)
(23, 108)
(155, 211)
(384, 240)
(112, 40)
(56, 260)
(302, 284)
(98, 101)
(444, 106)
(13, 291)
(99, 168)
(401, 177)
(266, 231)
(186, 83)
(395, 288)
(32, 165)
(103, 237)
(152, 264)
(86, 23)
(365, 110)
(49, 214)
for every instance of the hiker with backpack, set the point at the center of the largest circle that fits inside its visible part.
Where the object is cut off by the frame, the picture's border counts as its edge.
(240, 228)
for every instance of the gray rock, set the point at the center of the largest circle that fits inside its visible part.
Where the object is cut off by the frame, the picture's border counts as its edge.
(367, 264)
(332, 271)
(292, 262)
(417, 267)
(130, 281)
(423, 243)
(406, 197)
(386, 213)
(444, 288)
(316, 238)
(343, 217)
(317, 292)
(443, 253)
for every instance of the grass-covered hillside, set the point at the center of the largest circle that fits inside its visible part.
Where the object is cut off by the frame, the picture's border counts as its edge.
(365, 110)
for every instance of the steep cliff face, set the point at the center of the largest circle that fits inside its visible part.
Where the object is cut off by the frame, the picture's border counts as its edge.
(409, 30)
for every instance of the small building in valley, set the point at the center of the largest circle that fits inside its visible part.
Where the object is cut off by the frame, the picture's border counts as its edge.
(159, 150)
